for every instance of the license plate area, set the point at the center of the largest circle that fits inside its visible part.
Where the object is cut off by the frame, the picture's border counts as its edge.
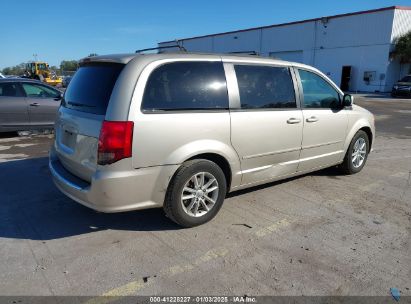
(69, 138)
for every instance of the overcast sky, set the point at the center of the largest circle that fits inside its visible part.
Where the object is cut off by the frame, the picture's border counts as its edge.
(72, 29)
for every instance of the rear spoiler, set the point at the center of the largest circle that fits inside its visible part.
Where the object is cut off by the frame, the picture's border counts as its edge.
(107, 59)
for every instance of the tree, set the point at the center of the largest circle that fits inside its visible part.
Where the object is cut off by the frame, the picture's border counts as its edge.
(402, 49)
(15, 70)
(69, 65)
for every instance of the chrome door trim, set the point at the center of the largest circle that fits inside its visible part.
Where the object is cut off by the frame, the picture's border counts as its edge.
(321, 155)
(256, 169)
(324, 144)
(271, 153)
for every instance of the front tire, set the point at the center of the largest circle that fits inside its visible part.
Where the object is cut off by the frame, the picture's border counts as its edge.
(357, 154)
(195, 193)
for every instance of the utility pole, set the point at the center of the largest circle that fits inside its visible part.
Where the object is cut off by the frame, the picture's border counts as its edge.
(35, 57)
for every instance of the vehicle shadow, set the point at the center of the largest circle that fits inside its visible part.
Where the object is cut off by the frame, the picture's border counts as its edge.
(8, 134)
(31, 207)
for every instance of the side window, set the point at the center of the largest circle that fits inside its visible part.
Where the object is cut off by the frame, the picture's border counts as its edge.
(186, 86)
(51, 92)
(35, 90)
(264, 87)
(9, 89)
(318, 93)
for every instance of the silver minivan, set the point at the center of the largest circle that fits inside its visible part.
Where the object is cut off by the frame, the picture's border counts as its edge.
(180, 131)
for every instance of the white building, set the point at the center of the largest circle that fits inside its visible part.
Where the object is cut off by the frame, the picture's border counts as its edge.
(352, 49)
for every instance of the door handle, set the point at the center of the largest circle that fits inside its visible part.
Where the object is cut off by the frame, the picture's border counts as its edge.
(35, 104)
(312, 119)
(293, 120)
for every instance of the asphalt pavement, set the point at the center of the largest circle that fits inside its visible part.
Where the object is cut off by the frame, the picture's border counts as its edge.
(319, 234)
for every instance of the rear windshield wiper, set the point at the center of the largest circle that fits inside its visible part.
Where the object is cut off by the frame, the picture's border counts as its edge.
(80, 104)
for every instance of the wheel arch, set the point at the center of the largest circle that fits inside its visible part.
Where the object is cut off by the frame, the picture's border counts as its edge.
(362, 125)
(221, 161)
(214, 150)
(369, 133)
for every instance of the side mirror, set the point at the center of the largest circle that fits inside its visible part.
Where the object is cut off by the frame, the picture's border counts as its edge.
(348, 100)
(59, 97)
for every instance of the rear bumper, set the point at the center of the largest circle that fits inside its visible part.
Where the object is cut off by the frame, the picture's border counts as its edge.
(114, 191)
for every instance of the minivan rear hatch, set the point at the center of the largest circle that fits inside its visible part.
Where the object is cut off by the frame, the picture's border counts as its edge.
(81, 114)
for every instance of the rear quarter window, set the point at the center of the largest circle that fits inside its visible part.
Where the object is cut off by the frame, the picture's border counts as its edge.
(186, 86)
(91, 87)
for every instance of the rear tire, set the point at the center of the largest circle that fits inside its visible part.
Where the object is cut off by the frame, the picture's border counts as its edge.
(195, 193)
(357, 154)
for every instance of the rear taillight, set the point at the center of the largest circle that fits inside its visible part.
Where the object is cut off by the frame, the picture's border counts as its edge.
(115, 141)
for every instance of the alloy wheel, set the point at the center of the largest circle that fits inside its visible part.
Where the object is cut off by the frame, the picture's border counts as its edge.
(359, 152)
(199, 194)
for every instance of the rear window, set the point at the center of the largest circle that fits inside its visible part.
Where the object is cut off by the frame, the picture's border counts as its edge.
(186, 86)
(90, 88)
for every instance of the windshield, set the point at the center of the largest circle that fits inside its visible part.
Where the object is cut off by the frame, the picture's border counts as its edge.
(90, 88)
(41, 66)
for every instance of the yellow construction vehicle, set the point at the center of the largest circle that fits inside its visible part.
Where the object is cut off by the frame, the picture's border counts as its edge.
(41, 71)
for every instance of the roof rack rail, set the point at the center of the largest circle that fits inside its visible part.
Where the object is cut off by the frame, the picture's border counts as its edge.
(246, 53)
(159, 48)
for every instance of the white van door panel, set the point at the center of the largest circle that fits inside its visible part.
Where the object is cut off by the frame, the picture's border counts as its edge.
(268, 145)
(323, 138)
(325, 122)
(266, 121)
